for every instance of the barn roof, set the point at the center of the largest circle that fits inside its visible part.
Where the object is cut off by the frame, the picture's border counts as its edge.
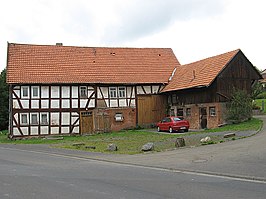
(67, 64)
(200, 73)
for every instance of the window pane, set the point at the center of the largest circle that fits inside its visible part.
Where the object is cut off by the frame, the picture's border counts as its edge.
(24, 119)
(34, 119)
(44, 118)
(122, 92)
(83, 91)
(35, 92)
(113, 92)
(25, 91)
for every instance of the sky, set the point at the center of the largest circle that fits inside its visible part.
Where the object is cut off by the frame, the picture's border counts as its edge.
(194, 29)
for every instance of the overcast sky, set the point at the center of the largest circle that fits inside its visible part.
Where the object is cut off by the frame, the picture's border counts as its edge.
(194, 29)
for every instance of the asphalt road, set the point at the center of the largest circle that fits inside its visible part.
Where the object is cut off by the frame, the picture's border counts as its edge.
(234, 169)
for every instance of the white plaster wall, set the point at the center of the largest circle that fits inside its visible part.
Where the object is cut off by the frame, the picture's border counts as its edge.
(73, 119)
(65, 118)
(83, 103)
(65, 103)
(44, 103)
(17, 87)
(65, 92)
(54, 118)
(90, 88)
(24, 130)
(74, 103)
(76, 129)
(107, 102)
(147, 89)
(90, 92)
(139, 90)
(155, 89)
(34, 130)
(105, 91)
(113, 103)
(65, 130)
(16, 131)
(44, 92)
(92, 103)
(55, 92)
(75, 92)
(15, 104)
(34, 104)
(17, 92)
(16, 118)
(54, 130)
(132, 103)
(54, 103)
(44, 130)
(122, 103)
(25, 103)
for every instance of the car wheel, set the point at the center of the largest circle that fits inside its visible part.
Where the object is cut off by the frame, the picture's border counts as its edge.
(186, 130)
(158, 129)
(170, 130)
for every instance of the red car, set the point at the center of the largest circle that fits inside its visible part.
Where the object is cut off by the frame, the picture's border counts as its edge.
(173, 124)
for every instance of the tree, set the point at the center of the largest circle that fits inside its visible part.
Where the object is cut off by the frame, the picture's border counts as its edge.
(257, 89)
(3, 101)
(240, 107)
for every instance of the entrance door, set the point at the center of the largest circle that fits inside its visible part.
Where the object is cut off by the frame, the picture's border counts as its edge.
(203, 117)
(86, 122)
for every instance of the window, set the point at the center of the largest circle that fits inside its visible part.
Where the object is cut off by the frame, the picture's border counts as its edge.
(212, 111)
(83, 91)
(25, 91)
(113, 92)
(44, 118)
(122, 92)
(188, 112)
(172, 112)
(35, 91)
(34, 118)
(180, 112)
(174, 98)
(24, 118)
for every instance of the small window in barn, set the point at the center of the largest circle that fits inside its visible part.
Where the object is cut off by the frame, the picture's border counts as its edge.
(212, 111)
(180, 112)
(35, 91)
(25, 91)
(119, 117)
(34, 118)
(44, 118)
(83, 91)
(24, 118)
(121, 92)
(174, 99)
(113, 92)
(188, 112)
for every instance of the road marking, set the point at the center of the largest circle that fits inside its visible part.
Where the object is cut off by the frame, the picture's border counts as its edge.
(189, 172)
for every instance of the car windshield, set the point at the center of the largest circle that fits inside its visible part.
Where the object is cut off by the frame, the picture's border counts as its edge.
(177, 119)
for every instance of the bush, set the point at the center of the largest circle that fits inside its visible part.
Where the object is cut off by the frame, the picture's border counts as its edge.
(240, 107)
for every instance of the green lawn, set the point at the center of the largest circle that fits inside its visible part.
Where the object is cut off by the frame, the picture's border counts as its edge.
(128, 142)
(259, 102)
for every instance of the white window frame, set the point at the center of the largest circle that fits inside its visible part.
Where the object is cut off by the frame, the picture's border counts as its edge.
(21, 119)
(81, 90)
(32, 92)
(122, 92)
(31, 118)
(22, 91)
(41, 119)
(113, 92)
(212, 111)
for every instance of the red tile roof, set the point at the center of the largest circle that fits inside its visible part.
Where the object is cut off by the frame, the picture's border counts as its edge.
(200, 73)
(68, 64)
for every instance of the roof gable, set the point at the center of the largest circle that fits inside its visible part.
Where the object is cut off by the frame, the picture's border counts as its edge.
(200, 73)
(68, 64)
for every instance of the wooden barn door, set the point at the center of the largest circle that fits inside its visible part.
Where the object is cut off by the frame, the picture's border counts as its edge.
(86, 122)
(151, 109)
(203, 117)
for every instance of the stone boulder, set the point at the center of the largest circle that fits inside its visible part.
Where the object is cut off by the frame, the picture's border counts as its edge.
(112, 147)
(206, 139)
(148, 147)
(180, 142)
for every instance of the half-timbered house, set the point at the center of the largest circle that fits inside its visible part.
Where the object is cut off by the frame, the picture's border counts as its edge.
(59, 90)
(199, 91)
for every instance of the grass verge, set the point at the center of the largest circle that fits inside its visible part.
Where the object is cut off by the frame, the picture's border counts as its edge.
(128, 142)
